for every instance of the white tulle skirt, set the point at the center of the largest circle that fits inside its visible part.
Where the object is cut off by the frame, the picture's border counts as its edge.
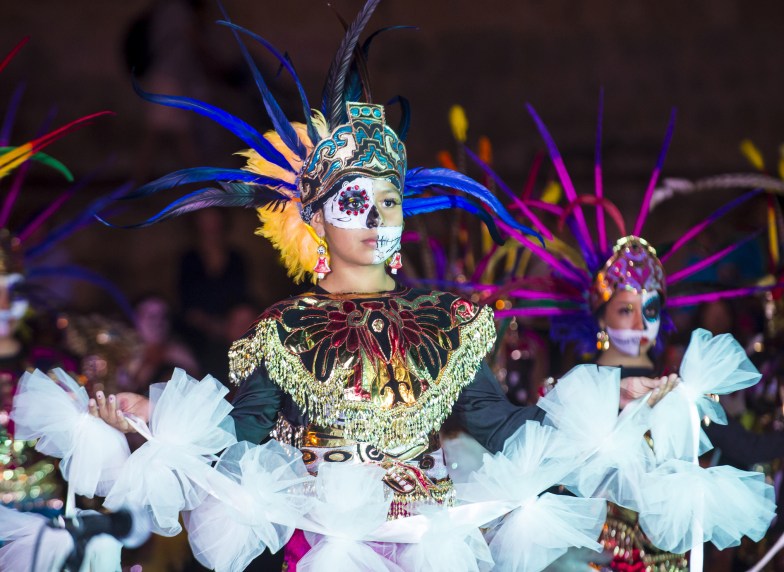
(251, 498)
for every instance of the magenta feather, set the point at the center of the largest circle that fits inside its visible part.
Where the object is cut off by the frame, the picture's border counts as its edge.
(563, 174)
(646, 201)
(597, 174)
(693, 299)
(698, 228)
(534, 312)
(543, 254)
(505, 188)
(676, 277)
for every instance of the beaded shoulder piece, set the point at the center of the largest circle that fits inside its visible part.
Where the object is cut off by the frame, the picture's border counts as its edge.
(389, 366)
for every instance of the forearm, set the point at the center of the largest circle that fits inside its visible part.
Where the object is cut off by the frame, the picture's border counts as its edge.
(256, 407)
(483, 411)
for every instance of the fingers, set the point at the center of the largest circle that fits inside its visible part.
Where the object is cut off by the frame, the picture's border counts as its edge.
(100, 398)
(92, 408)
(106, 409)
(666, 385)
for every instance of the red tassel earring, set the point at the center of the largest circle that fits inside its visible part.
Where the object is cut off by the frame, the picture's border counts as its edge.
(395, 263)
(322, 265)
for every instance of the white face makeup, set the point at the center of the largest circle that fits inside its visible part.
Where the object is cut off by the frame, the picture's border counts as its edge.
(353, 207)
(388, 243)
(17, 308)
(629, 341)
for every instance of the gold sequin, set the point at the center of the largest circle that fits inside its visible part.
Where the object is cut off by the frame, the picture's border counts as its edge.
(325, 401)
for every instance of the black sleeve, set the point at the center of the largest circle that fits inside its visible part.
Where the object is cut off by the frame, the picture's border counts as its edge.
(256, 407)
(483, 411)
(744, 448)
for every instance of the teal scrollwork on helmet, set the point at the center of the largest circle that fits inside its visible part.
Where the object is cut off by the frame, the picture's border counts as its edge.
(365, 146)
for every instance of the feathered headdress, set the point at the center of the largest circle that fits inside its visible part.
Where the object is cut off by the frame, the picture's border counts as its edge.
(293, 168)
(582, 280)
(21, 248)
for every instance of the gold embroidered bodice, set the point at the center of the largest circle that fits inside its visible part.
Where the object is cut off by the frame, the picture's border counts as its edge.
(388, 367)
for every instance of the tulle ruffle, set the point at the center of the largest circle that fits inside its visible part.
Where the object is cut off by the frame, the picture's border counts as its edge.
(712, 365)
(448, 545)
(265, 488)
(532, 537)
(31, 540)
(20, 531)
(171, 472)
(607, 451)
(55, 413)
(687, 505)
(540, 527)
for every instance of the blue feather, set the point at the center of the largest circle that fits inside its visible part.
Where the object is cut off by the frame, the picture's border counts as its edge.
(237, 126)
(80, 273)
(10, 114)
(366, 44)
(419, 180)
(202, 174)
(417, 206)
(286, 63)
(279, 120)
(228, 195)
(83, 219)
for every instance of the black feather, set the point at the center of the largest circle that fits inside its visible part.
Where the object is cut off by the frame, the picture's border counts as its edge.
(405, 116)
(333, 101)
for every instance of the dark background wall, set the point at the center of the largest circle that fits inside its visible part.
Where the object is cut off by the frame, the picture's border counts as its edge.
(717, 61)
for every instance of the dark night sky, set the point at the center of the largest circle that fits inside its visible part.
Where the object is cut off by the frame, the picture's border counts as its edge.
(717, 61)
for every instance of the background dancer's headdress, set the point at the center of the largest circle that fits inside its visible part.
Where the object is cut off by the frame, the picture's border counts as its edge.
(583, 279)
(22, 248)
(292, 169)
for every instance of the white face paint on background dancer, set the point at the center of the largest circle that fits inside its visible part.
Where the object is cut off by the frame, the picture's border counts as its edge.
(629, 341)
(353, 207)
(16, 308)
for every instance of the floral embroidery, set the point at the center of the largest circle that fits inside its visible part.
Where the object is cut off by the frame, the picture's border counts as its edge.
(389, 366)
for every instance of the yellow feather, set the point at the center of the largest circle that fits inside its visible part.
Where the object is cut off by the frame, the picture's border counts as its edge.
(291, 236)
(257, 164)
(459, 123)
(773, 236)
(12, 159)
(319, 123)
(781, 161)
(752, 154)
(552, 193)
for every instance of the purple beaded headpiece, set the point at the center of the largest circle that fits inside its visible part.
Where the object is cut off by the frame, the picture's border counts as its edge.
(633, 266)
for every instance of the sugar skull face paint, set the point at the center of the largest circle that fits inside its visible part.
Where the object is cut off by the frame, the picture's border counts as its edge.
(388, 242)
(355, 207)
(631, 341)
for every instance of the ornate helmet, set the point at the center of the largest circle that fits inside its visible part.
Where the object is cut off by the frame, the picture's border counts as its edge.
(633, 266)
(582, 279)
(292, 169)
(365, 146)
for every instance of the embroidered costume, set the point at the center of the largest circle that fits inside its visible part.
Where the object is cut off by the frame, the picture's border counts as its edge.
(580, 283)
(331, 445)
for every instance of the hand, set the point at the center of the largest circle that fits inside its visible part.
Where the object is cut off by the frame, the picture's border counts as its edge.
(113, 409)
(635, 387)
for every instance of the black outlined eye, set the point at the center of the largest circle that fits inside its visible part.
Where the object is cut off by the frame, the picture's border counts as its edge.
(389, 203)
(353, 200)
(652, 309)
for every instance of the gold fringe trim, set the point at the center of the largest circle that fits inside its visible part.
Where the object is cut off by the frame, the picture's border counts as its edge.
(365, 421)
